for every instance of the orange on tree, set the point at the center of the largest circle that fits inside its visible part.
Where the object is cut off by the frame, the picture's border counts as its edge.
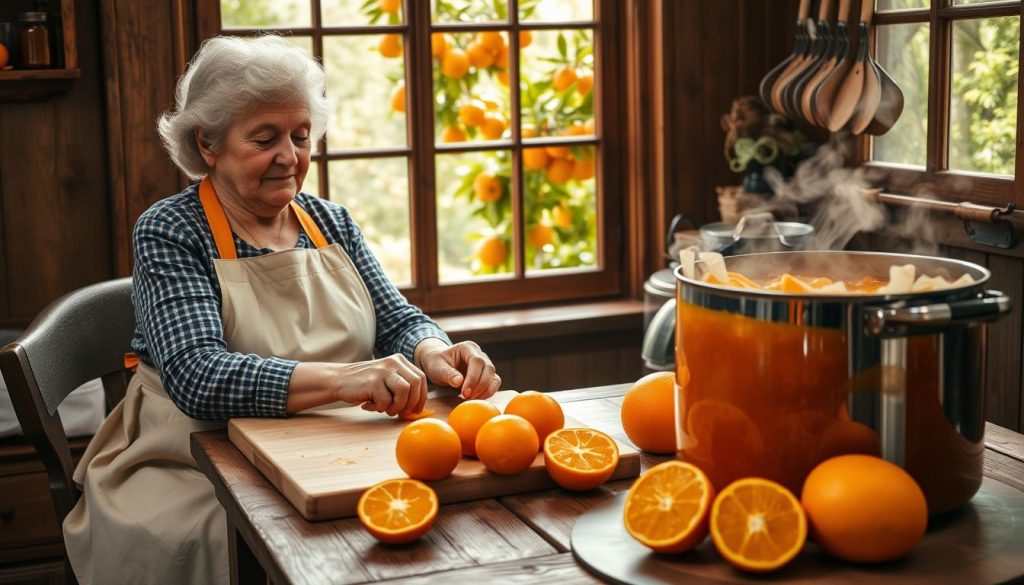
(585, 83)
(479, 56)
(390, 46)
(487, 188)
(757, 525)
(491, 105)
(389, 6)
(493, 126)
(438, 44)
(563, 78)
(398, 99)
(471, 114)
(558, 151)
(583, 170)
(528, 130)
(540, 410)
(507, 444)
(648, 413)
(454, 63)
(492, 251)
(503, 78)
(535, 159)
(428, 449)
(589, 126)
(576, 129)
(667, 508)
(864, 509)
(501, 57)
(541, 235)
(397, 511)
(491, 40)
(525, 38)
(580, 459)
(453, 134)
(562, 216)
(467, 418)
(560, 170)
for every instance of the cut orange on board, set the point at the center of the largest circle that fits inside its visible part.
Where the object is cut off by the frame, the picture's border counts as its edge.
(397, 511)
(418, 415)
(757, 525)
(580, 459)
(667, 508)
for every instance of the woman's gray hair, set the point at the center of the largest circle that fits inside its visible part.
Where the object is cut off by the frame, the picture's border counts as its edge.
(227, 78)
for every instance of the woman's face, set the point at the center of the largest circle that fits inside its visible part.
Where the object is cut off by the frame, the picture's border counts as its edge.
(264, 157)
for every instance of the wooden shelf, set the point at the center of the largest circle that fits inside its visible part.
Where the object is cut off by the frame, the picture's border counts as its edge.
(37, 84)
(39, 74)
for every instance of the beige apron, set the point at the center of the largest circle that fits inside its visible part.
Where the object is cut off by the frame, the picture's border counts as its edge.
(147, 514)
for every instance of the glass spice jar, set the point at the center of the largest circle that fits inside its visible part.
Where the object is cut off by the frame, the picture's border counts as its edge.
(35, 41)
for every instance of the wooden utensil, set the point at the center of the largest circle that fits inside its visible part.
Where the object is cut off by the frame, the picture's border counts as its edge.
(849, 93)
(800, 47)
(821, 51)
(839, 60)
(322, 461)
(869, 99)
(798, 66)
(890, 107)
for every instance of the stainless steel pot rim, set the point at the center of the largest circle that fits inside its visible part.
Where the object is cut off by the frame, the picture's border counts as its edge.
(968, 267)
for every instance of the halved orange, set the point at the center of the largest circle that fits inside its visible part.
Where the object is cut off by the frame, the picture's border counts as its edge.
(757, 525)
(667, 507)
(397, 511)
(580, 459)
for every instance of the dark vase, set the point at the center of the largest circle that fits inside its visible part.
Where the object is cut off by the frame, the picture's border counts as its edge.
(753, 181)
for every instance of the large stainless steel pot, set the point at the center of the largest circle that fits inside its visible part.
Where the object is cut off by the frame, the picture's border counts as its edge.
(778, 382)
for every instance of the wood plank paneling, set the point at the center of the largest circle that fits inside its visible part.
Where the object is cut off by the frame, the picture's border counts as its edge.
(1003, 368)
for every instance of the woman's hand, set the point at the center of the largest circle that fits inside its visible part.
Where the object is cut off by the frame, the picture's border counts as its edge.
(463, 365)
(390, 384)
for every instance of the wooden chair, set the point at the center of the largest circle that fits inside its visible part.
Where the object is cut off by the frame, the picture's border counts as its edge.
(80, 336)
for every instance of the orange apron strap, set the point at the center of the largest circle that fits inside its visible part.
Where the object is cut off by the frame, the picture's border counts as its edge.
(131, 360)
(217, 220)
(309, 226)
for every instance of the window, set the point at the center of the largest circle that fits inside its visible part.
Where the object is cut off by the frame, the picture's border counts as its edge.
(957, 62)
(471, 195)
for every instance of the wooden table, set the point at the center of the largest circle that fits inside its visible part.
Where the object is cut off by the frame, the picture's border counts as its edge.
(522, 538)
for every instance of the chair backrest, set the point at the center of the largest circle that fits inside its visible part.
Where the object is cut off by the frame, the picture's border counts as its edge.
(81, 336)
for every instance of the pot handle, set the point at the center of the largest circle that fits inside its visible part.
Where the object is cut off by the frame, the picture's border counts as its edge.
(886, 321)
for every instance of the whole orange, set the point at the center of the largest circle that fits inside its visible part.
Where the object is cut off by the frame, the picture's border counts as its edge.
(4, 56)
(390, 46)
(864, 509)
(540, 410)
(428, 449)
(648, 413)
(487, 188)
(467, 418)
(454, 63)
(507, 444)
(492, 251)
(560, 170)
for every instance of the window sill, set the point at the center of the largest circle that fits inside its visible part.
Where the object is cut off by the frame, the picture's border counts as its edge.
(603, 317)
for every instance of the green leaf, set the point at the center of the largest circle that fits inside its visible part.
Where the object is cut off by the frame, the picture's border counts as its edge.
(563, 50)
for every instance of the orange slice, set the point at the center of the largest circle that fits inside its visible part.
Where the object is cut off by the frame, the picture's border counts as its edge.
(397, 511)
(757, 525)
(417, 415)
(667, 508)
(580, 459)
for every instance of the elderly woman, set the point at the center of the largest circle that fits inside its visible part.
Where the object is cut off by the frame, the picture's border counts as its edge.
(252, 299)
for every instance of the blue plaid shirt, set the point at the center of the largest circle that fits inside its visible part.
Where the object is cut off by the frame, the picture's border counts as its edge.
(177, 308)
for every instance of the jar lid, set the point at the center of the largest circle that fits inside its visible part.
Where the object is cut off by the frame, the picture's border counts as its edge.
(33, 17)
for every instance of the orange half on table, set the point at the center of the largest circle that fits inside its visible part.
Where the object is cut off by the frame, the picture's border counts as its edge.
(757, 525)
(397, 511)
(667, 507)
(580, 459)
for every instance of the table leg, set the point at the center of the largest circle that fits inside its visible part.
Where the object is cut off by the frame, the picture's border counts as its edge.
(245, 567)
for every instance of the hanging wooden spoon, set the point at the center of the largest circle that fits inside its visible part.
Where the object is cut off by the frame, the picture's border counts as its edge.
(870, 97)
(798, 66)
(890, 107)
(848, 95)
(820, 52)
(839, 57)
(800, 47)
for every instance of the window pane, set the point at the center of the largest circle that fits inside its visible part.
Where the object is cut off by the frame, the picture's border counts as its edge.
(264, 13)
(556, 10)
(882, 5)
(903, 50)
(976, 1)
(311, 184)
(365, 80)
(360, 12)
(983, 108)
(469, 10)
(474, 215)
(560, 205)
(376, 192)
(557, 83)
(471, 87)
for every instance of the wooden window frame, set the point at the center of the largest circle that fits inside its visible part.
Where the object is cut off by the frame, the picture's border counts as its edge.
(519, 288)
(981, 188)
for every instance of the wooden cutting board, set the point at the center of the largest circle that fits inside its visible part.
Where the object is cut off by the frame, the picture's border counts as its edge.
(322, 461)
